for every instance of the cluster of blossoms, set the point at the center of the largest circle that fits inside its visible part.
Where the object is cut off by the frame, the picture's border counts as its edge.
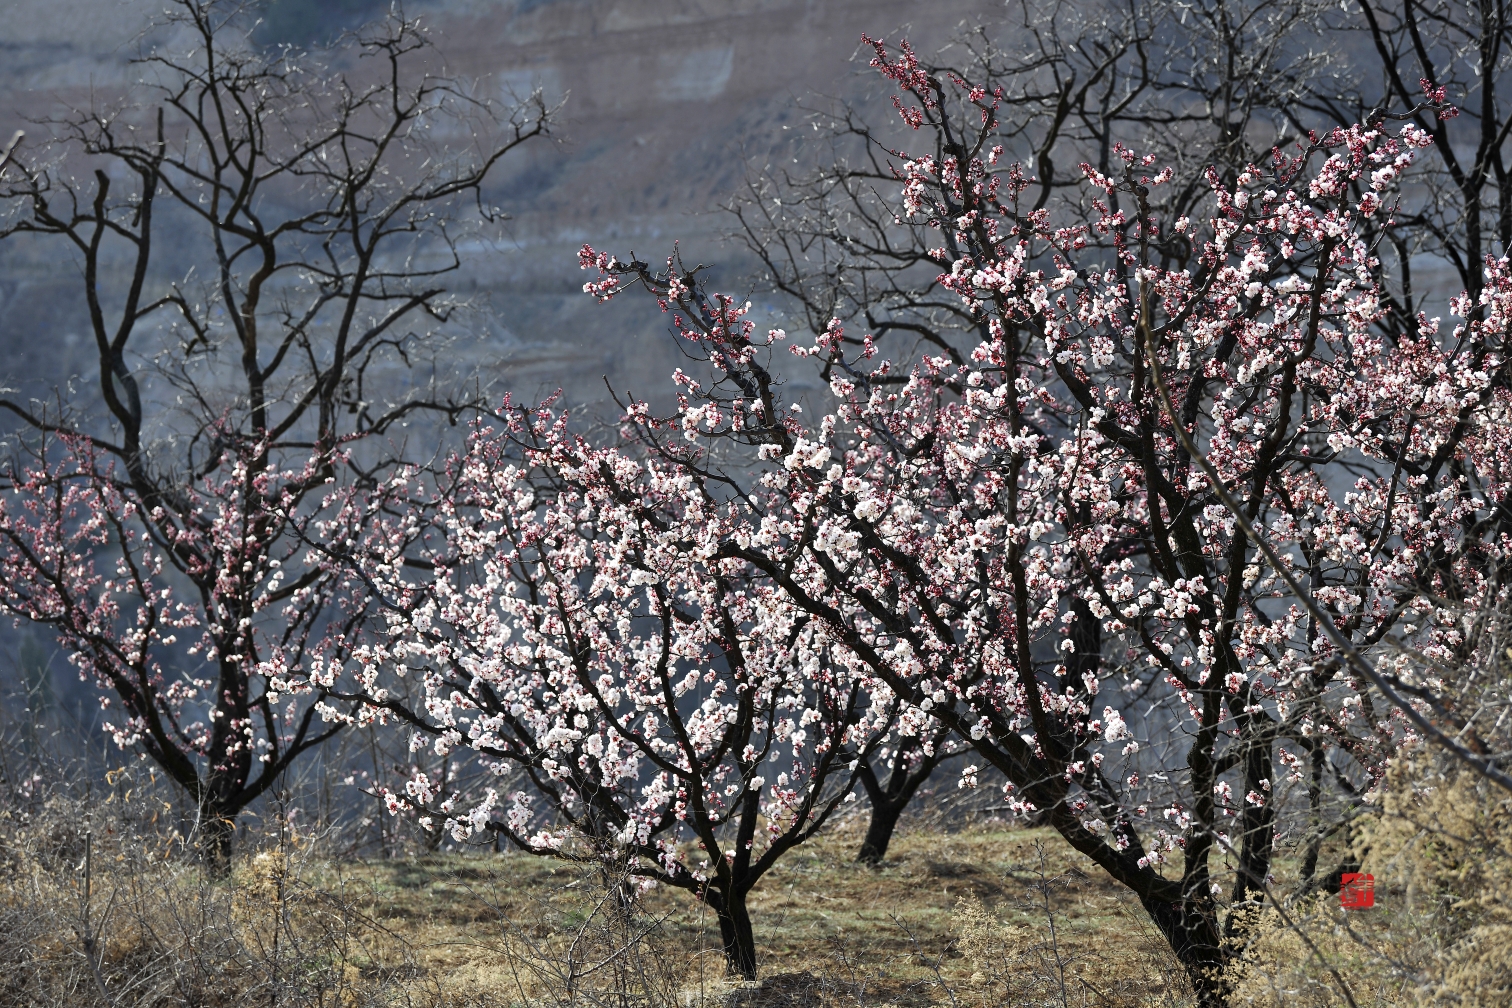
(186, 613)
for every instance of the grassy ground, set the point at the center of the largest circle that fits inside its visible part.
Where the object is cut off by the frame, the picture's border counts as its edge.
(972, 916)
(100, 907)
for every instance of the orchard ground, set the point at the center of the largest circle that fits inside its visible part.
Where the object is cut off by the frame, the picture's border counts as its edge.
(99, 906)
(828, 930)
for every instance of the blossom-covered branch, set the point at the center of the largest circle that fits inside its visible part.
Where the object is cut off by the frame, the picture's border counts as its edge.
(1008, 540)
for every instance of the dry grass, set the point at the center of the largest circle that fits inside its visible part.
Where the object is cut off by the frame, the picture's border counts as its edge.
(1440, 849)
(886, 936)
(93, 914)
(100, 907)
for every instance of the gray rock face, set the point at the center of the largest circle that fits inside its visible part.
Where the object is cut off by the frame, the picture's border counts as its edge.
(667, 102)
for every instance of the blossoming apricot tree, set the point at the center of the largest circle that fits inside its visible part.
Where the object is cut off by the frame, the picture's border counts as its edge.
(249, 407)
(577, 621)
(1022, 546)
(140, 594)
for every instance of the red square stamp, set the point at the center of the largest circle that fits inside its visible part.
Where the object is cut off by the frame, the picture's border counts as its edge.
(1356, 891)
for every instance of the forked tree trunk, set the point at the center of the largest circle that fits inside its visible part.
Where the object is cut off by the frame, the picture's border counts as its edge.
(890, 799)
(735, 932)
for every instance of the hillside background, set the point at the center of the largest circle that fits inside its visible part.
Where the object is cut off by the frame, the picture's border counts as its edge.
(667, 105)
(668, 102)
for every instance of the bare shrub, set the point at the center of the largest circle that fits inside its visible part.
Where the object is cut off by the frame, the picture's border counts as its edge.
(1437, 838)
(97, 911)
(1441, 929)
(592, 943)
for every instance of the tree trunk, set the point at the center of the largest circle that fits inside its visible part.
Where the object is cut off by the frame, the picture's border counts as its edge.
(884, 819)
(735, 932)
(1193, 936)
(889, 801)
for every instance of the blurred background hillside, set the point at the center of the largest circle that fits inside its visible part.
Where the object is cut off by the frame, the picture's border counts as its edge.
(667, 105)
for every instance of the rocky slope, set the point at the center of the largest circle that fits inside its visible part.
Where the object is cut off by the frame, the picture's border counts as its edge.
(667, 103)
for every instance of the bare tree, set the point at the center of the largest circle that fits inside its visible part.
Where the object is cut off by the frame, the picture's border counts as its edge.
(249, 401)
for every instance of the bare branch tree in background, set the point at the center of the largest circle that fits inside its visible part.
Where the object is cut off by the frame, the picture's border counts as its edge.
(310, 213)
(1458, 201)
